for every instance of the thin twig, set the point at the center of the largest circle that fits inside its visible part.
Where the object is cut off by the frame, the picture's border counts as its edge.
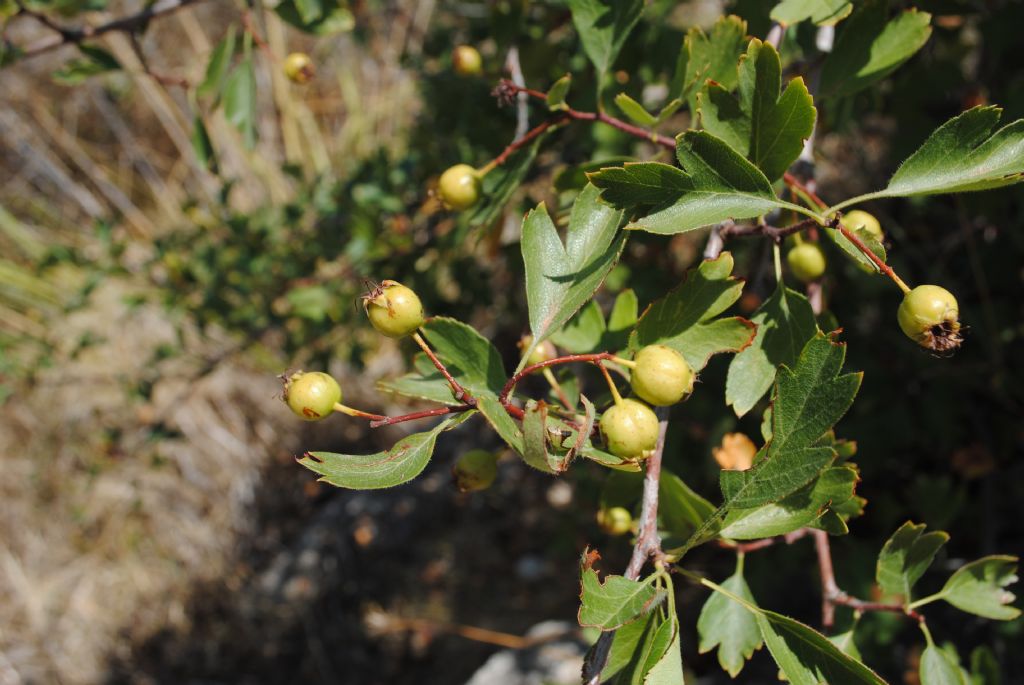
(522, 106)
(647, 546)
(129, 24)
(461, 394)
(440, 411)
(510, 385)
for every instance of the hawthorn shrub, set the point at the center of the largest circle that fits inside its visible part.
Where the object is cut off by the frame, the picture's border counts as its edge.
(715, 134)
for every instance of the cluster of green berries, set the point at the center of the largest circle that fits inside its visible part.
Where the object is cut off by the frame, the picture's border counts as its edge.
(394, 310)
(660, 377)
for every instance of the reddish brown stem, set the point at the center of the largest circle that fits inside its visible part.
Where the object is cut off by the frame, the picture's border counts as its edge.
(440, 411)
(461, 394)
(250, 28)
(882, 266)
(793, 182)
(506, 391)
(522, 142)
(776, 233)
(755, 545)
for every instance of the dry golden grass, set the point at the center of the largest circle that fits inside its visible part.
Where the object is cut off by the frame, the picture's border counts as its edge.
(102, 528)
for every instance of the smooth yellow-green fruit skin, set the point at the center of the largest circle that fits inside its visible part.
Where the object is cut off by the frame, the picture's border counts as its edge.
(312, 396)
(806, 261)
(630, 429)
(467, 61)
(475, 470)
(929, 315)
(541, 353)
(394, 310)
(661, 376)
(459, 187)
(858, 218)
(298, 67)
(615, 520)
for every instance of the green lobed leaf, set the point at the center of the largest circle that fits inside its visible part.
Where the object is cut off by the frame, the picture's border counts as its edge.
(711, 56)
(219, 64)
(785, 322)
(963, 155)
(634, 111)
(980, 588)
(807, 657)
(561, 279)
(821, 12)
(631, 648)
(425, 383)
(471, 359)
(808, 400)
(716, 183)
(557, 92)
(309, 10)
(869, 48)
(685, 318)
(937, 668)
(666, 667)
(398, 465)
(765, 124)
(802, 508)
(621, 321)
(504, 424)
(616, 601)
(905, 557)
(603, 26)
(680, 509)
(583, 332)
(729, 626)
(240, 101)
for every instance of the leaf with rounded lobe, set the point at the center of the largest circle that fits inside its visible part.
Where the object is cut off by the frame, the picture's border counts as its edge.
(963, 155)
(938, 668)
(802, 508)
(765, 124)
(785, 322)
(561, 279)
(821, 12)
(603, 26)
(583, 332)
(808, 400)
(685, 318)
(729, 626)
(400, 464)
(616, 601)
(707, 56)
(869, 48)
(716, 183)
(980, 587)
(905, 557)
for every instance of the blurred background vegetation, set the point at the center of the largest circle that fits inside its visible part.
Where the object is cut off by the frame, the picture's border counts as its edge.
(153, 525)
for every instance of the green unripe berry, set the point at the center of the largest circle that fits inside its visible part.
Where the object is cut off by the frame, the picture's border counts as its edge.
(929, 315)
(475, 470)
(467, 61)
(311, 396)
(806, 261)
(541, 353)
(630, 429)
(661, 375)
(394, 310)
(459, 187)
(615, 520)
(299, 68)
(858, 219)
